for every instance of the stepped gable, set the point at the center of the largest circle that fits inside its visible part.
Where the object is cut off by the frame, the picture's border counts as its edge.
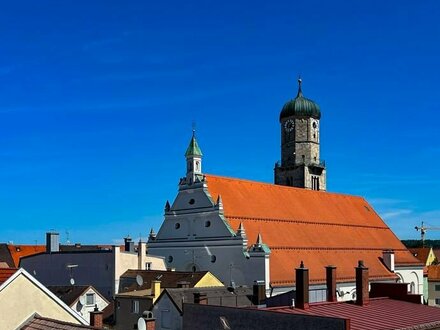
(316, 227)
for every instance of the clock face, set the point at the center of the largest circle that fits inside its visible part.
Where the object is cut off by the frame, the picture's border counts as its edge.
(289, 125)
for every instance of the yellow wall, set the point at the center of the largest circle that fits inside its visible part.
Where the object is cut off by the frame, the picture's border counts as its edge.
(21, 299)
(208, 280)
(431, 257)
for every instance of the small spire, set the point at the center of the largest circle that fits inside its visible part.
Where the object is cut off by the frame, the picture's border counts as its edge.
(241, 231)
(167, 206)
(193, 148)
(219, 201)
(259, 240)
(301, 265)
(300, 94)
(152, 234)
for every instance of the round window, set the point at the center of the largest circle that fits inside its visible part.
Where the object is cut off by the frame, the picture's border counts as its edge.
(177, 225)
(170, 258)
(192, 201)
(207, 223)
(213, 258)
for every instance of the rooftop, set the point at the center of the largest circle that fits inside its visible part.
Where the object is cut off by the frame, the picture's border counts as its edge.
(6, 273)
(316, 227)
(42, 323)
(381, 313)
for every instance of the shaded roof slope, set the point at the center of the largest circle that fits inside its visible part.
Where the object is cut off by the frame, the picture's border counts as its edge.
(318, 227)
(5, 255)
(241, 297)
(68, 293)
(168, 279)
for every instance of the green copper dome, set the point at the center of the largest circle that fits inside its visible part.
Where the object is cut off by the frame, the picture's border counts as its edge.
(300, 107)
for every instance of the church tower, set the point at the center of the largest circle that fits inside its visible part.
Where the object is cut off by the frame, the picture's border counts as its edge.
(300, 165)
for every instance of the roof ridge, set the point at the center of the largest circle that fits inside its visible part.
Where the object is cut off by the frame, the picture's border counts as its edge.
(330, 248)
(306, 222)
(280, 186)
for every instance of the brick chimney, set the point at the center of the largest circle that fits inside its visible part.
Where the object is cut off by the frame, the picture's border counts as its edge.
(330, 272)
(259, 293)
(148, 319)
(96, 318)
(200, 298)
(302, 287)
(362, 294)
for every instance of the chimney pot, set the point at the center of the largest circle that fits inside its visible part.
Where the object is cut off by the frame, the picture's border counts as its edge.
(96, 318)
(362, 294)
(302, 287)
(331, 283)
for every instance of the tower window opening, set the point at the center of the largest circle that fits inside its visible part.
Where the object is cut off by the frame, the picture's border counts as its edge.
(303, 158)
(197, 165)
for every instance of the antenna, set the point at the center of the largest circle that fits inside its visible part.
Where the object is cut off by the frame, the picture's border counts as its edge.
(67, 237)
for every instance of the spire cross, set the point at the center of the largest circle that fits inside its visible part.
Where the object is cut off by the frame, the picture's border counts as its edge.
(299, 86)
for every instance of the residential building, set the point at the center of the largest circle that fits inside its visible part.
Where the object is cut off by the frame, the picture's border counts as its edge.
(434, 285)
(83, 299)
(139, 290)
(44, 323)
(243, 231)
(168, 308)
(22, 296)
(99, 267)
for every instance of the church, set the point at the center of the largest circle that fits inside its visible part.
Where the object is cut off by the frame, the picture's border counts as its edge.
(244, 231)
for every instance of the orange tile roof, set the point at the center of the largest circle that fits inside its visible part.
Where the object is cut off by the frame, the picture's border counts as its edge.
(317, 227)
(421, 253)
(6, 273)
(434, 273)
(20, 251)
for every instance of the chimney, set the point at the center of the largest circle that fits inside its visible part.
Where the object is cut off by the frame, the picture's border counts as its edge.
(142, 255)
(155, 288)
(388, 259)
(259, 293)
(52, 242)
(330, 272)
(148, 320)
(183, 284)
(96, 318)
(129, 244)
(200, 298)
(362, 294)
(302, 287)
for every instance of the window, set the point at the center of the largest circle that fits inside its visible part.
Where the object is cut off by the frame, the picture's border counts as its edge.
(207, 223)
(177, 225)
(213, 258)
(148, 265)
(437, 287)
(170, 258)
(192, 201)
(90, 299)
(135, 306)
(437, 301)
(165, 321)
(412, 288)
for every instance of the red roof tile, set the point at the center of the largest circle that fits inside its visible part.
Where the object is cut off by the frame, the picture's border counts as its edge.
(317, 227)
(381, 313)
(6, 273)
(434, 273)
(20, 251)
(421, 253)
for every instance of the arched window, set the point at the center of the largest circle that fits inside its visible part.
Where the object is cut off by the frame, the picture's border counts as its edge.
(412, 288)
(197, 165)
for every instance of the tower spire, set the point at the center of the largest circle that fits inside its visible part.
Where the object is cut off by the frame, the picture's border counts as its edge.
(193, 156)
(300, 94)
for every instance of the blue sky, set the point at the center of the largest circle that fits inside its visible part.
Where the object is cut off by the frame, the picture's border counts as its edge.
(97, 101)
